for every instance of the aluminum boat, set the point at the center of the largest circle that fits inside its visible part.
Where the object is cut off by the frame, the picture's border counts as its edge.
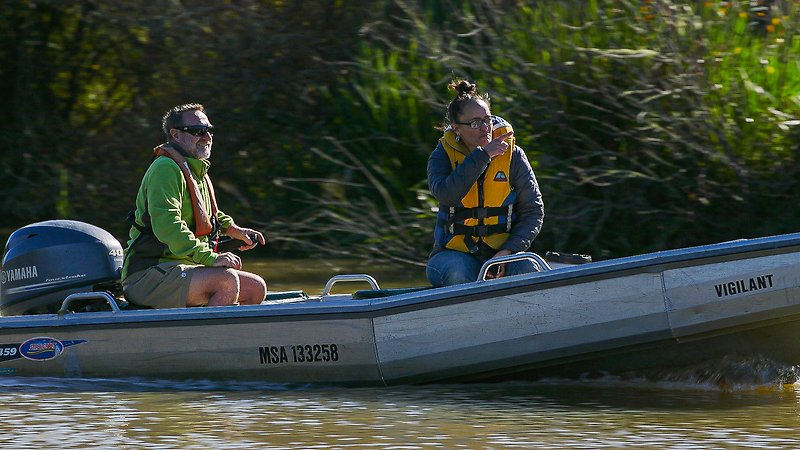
(64, 316)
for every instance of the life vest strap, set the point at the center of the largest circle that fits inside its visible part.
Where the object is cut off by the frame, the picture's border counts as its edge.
(479, 230)
(203, 222)
(459, 214)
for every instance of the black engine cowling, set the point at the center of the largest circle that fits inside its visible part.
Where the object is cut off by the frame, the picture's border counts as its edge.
(45, 262)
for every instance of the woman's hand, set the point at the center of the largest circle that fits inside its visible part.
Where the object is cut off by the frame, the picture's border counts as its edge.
(501, 268)
(498, 145)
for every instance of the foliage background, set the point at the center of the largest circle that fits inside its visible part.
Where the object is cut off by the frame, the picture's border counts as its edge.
(651, 124)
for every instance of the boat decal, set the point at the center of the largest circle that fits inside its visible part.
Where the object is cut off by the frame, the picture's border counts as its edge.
(307, 353)
(9, 352)
(48, 283)
(18, 273)
(744, 285)
(36, 349)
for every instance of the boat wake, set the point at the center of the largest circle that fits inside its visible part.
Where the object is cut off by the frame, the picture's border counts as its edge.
(732, 373)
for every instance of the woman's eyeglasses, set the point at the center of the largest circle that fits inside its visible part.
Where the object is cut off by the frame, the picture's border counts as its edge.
(475, 124)
(197, 130)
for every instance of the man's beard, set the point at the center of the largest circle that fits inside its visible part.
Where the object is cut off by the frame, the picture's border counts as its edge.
(202, 152)
(197, 152)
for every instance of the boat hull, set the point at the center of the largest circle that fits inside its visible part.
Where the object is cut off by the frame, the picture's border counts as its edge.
(337, 351)
(645, 313)
(638, 321)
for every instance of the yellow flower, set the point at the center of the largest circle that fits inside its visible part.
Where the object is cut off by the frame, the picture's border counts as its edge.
(770, 28)
(742, 15)
(770, 70)
(776, 21)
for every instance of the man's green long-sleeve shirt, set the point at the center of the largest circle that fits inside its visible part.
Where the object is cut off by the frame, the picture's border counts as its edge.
(163, 196)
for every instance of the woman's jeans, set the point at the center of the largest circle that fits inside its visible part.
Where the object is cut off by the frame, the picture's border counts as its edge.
(450, 267)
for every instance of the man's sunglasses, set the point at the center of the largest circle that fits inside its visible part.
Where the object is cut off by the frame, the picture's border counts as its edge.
(197, 130)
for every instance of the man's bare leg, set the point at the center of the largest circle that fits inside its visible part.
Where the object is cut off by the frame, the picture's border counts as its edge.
(252, 288)
(213, 286)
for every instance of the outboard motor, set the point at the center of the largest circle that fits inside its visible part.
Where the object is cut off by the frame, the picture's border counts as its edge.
(46, 261)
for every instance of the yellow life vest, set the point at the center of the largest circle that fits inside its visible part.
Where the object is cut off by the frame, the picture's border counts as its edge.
(485, 211)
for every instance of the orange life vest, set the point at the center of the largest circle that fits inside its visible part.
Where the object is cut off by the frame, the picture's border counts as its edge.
(203, 224)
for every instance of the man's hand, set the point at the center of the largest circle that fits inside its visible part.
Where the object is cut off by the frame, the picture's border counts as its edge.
(250, 236)
(228, 259)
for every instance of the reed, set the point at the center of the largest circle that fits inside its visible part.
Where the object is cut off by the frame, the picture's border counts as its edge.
(650, 124)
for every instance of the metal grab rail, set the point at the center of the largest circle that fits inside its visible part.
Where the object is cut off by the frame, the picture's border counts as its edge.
(102, 295)
(353, 277)
(538, 261)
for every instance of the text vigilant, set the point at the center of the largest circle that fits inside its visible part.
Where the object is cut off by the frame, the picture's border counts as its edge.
(20, 273)
(742, 286)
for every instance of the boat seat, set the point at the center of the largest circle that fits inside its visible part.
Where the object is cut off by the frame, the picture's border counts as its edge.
(379, 293)
(283, 295)
(274, 298)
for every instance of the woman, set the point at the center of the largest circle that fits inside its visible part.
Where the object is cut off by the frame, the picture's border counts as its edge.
(489, 201)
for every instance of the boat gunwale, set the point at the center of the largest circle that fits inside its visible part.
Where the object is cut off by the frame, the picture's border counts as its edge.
(315, 308)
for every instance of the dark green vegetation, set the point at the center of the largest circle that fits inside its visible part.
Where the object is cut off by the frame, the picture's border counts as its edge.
(651, 124)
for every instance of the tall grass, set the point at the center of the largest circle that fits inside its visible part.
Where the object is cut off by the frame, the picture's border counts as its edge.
(650, 124)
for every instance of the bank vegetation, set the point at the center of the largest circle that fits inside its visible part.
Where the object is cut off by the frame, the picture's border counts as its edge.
(650, 124)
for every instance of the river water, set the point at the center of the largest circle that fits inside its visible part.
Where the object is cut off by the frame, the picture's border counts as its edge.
(725, 404)
(53, 413)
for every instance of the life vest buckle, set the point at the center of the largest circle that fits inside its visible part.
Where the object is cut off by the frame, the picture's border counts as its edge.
(480, 230)
(479, 213)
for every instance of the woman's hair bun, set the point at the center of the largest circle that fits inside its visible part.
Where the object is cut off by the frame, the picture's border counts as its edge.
(463, 87)
(466, 92)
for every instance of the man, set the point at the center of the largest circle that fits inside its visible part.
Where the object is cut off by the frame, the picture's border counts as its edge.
(171, 260)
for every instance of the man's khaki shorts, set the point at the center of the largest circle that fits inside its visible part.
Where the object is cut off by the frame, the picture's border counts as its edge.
(163, 286)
